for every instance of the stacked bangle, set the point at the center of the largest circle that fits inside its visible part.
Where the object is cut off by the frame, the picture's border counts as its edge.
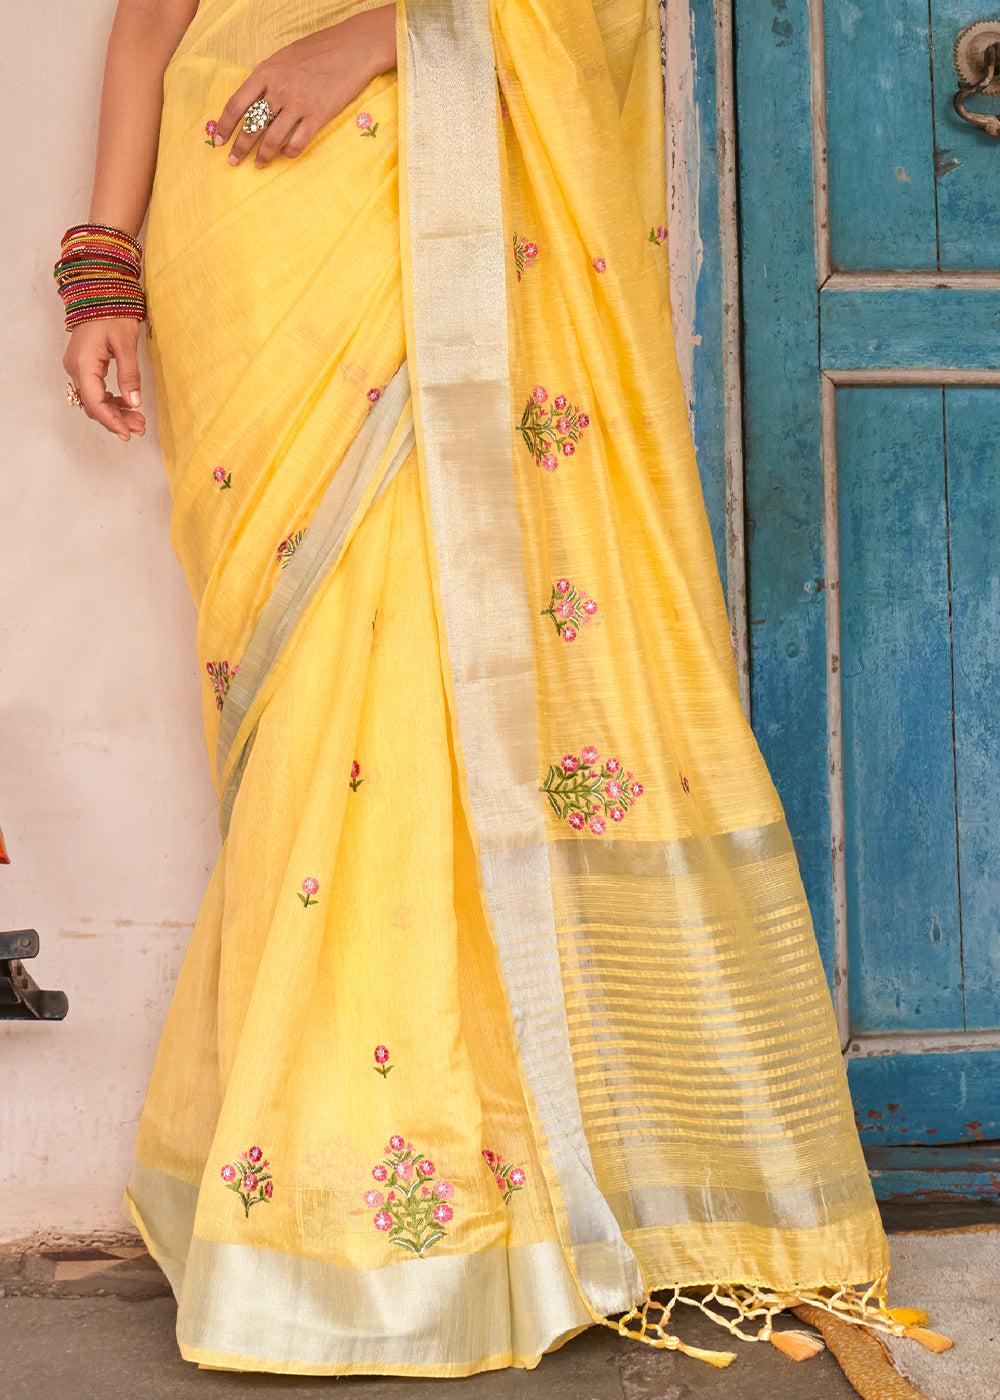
(98, 274)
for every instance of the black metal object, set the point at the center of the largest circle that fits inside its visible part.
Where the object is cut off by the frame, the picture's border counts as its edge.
(21, 998)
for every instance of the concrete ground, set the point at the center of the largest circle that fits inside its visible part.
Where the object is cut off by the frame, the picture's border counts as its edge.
(99, 1325)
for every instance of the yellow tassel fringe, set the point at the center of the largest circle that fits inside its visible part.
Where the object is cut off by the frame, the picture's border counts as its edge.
(933, 1341)
(797, 1346)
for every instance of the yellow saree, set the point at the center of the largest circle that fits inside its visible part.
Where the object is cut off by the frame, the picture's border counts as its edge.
(503, 1008)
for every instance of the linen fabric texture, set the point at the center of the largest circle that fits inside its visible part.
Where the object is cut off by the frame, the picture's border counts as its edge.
(503, 1008)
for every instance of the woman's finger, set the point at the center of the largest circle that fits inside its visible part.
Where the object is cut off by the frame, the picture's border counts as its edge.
(245, 142)
(235, 109)
(274, 136)
(122, 341)
(302, 134)
(99, 404)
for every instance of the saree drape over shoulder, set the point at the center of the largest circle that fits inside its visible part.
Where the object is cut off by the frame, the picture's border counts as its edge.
(503, 1008)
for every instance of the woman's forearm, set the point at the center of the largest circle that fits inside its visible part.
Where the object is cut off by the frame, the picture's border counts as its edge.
(143, 39)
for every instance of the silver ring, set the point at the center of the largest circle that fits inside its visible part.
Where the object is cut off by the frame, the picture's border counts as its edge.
(258, 115)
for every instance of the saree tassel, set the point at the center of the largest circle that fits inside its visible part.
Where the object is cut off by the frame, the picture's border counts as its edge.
(720, 1359)
(933, 1341)
(910, 1317)
(795, 1345)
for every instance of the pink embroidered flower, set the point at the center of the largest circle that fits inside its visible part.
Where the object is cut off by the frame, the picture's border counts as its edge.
(613, 765)
(564, 609)
(219, 474)
(617, 814)
(425, 1190)
(569, 634)
(517, 1177)
(589, 754)
(442, 1213)
(539, 394)
(425, 1167)
(613, 789)
(355, 772)
(577, 820)
(255, 1154)
(501, 1184)
(549, 462)
(562, 425)
(600, 265)
(570, 763)
(374, 395)
(391, 1196)
(568, 448)
(661, 231)
(373, 1199)
(228, 1172)
(381, 1051)
(309, 886)
(211, 127)
(637, 789)
(597, 825)
(583, 420)
(589, 606)
(444, 1190)
(250, 1182)
(685, 785)
(559, 402)
(396, 1143)
(490, 1156)
(503, 109)
(562, 585)
(531, 251)
(404, 1170)
(364, 121)
(268, 1189)
(383, 1220)
(379, 1173)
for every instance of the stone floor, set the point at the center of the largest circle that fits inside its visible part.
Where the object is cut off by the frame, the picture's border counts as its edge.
(98, 1324)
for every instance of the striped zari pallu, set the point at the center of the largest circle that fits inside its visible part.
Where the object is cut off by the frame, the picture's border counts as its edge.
(503, 1008)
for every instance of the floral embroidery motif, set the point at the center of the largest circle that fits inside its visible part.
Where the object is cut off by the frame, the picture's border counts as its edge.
(583, 794)
(210, 129)
(288, 546)
(356, 778)
(374, 395)
(685, 785)
(548, 431)
(414, 1209)
(381, 1057)
(309, 888)
(507, 1177)
(569, 608)
(524, 255)
(224, 478)
(600, 265)
(365, 124)
(221, 674)
(249, 1177)
(658, 235)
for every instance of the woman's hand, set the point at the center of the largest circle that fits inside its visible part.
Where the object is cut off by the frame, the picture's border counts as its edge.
(308, 83)
(88, 357)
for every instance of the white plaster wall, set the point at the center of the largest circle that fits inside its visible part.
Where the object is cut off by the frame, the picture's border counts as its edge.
(105, 800)
(104, 796)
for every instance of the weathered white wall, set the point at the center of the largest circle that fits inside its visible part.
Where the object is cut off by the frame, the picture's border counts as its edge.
(104, 795)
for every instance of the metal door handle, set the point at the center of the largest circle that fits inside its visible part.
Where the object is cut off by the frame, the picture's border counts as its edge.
(977, 59)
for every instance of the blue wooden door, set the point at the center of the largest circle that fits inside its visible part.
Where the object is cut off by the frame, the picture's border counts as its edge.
(870, 265)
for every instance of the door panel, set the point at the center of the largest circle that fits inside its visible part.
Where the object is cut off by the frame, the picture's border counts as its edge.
(966, 159)
(904, 936)
(973, 420)
(881, 168)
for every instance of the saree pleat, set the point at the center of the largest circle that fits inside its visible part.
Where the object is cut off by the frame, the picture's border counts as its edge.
(503, 1009)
